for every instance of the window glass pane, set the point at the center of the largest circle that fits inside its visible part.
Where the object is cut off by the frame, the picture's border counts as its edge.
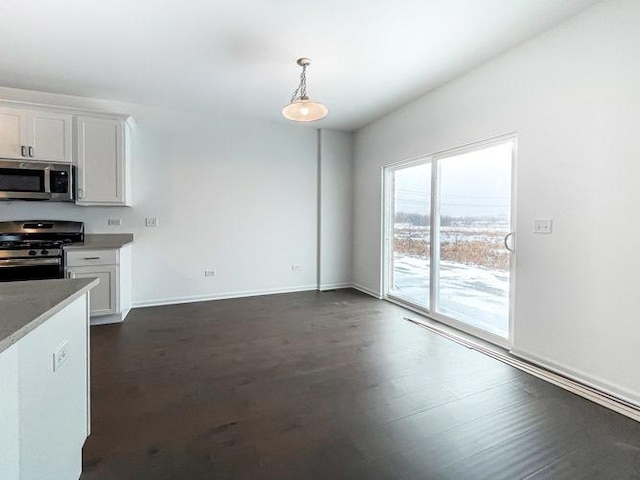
(410, 242)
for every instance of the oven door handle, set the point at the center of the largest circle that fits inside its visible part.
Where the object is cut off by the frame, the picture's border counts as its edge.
(28, 262)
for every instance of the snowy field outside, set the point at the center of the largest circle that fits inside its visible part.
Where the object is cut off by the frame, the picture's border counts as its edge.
(474, 295)
(474, 269)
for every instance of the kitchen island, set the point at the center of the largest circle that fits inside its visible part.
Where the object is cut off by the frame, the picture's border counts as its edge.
(44, 373)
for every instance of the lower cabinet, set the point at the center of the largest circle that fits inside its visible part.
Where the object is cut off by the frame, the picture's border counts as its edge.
(111, 300)
(104, 297)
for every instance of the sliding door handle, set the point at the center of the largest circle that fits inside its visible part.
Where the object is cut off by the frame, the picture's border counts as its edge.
(506, 242)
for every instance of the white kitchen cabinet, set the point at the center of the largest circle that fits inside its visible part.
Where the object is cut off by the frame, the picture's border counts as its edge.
(104, 297)
(110, 301)
(102, 146)
(13, 133)
(49, 136)
(98, 144)
(41, 135)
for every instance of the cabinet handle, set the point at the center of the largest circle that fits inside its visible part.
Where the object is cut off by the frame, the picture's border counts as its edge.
(23, 150)
(91, 258)
(31, 152)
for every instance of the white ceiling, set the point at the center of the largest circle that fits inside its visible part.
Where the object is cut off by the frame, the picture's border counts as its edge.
(369, 56)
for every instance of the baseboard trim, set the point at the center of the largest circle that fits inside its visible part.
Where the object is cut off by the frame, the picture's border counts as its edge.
(221, 296)
(366, 290)
(533, 367)
(612, 391)
(105, 320)
(335, 286)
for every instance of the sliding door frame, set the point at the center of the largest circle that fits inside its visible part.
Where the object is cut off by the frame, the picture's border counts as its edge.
(387, 229)
(434, 260)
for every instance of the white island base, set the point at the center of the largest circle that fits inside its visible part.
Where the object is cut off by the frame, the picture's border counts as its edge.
(44, 394)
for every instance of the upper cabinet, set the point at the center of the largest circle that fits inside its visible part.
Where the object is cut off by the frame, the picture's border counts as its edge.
(97, 143)
(27, 134)
(102, 146)
(13, 133)
(49, 136)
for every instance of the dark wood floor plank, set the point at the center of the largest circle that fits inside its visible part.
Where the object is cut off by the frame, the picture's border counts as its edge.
(329, 385)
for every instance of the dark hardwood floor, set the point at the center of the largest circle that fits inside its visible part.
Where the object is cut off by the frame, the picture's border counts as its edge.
(331, 385)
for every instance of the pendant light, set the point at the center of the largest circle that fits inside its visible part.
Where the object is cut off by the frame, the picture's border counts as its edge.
(300, 108)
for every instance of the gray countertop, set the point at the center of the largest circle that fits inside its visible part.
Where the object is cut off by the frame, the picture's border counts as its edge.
(26, 305)
(102, 240)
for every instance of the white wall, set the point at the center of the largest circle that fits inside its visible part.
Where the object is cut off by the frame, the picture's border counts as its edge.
(572, 94)
(336, 201)
(231, 194)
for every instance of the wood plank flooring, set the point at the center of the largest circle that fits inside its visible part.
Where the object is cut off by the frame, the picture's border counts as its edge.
(332, 385)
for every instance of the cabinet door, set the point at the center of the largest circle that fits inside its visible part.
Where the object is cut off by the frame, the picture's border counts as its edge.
(103, 298)
(50, 136)
(100, 161)
(13, 133)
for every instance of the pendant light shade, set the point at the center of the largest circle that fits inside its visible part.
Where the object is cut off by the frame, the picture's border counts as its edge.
(304, 110)
(300, 108)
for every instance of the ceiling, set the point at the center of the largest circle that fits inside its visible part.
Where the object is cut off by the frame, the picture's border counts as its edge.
(369, 56)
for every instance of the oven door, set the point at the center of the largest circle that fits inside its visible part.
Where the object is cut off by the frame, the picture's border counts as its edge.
(16, 269)
(24, 181)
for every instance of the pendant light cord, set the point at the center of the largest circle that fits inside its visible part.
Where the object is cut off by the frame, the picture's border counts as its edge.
(301, 91)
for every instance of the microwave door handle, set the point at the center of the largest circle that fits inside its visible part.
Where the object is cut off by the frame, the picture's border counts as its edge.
(47, 180)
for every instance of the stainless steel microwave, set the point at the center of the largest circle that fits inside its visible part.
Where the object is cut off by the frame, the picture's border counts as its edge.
(21, 180)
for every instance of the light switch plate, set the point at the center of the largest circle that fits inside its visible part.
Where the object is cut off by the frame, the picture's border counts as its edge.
(151, 222)
(542, 226)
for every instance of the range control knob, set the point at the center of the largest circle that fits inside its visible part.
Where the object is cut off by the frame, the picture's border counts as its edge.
(44, 252)
(32, 252)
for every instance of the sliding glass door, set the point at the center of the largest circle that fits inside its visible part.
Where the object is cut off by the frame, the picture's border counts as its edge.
(448, 236)
(475, 218)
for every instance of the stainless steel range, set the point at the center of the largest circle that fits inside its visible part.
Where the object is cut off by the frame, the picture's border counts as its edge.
(32, 249)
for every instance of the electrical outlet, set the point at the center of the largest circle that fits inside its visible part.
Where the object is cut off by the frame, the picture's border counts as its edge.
(60, 355)
(151, 222)
(295, 268)
(209, 273)
(114, 222)
(542, 225)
